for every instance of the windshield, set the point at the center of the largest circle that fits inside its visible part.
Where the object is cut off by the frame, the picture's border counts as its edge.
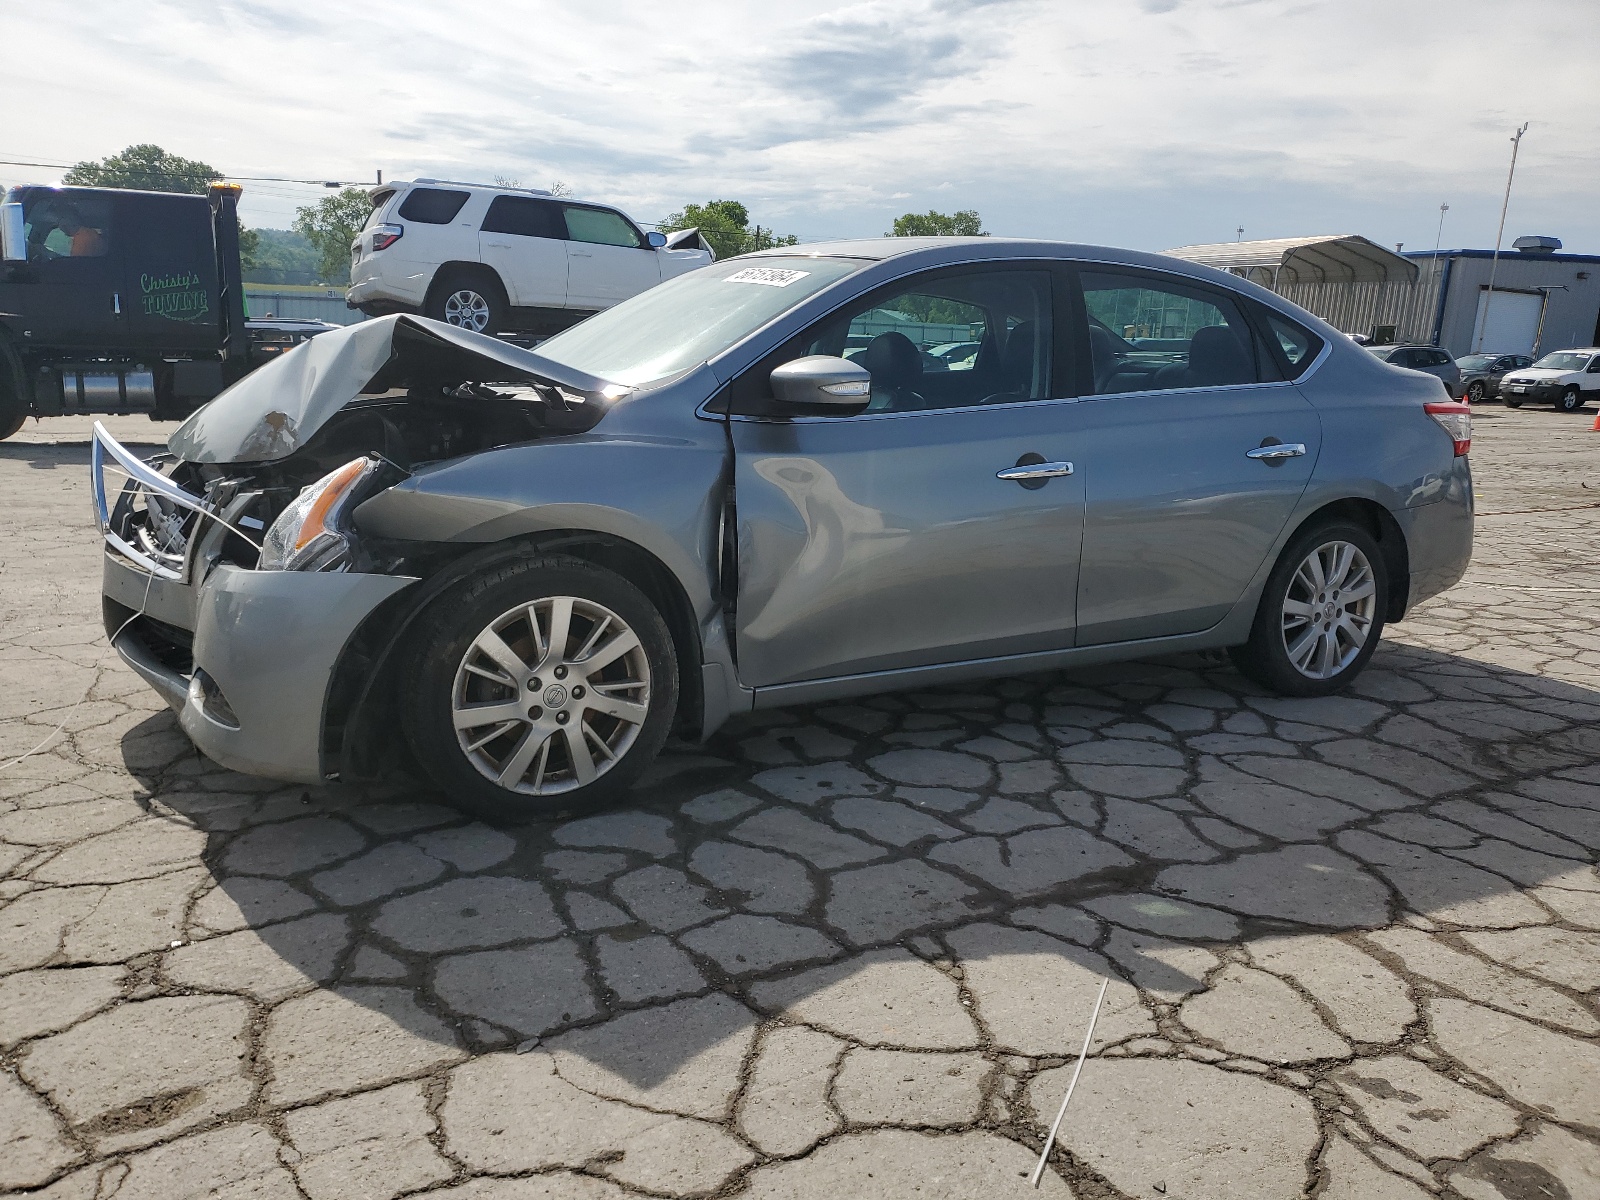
(1564, 360)
(1475, 362)
(692, 318)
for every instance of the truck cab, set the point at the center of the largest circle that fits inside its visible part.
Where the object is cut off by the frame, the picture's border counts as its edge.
(117, 301)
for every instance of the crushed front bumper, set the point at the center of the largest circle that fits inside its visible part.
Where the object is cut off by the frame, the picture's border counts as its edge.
(244, 657)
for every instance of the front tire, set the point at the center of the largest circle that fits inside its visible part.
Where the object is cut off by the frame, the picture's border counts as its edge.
(1571, 400)
(1510, 400)
(544, 686)
(1321, 613)
(468, 299)
(1475, 392)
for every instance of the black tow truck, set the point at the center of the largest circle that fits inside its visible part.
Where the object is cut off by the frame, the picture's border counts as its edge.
(115, 301)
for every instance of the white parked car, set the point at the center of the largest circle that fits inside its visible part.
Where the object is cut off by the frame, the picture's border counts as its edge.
(495, 258)
(1565, 378)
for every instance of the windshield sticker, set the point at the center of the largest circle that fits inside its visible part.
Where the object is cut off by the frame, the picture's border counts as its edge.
(770, 276)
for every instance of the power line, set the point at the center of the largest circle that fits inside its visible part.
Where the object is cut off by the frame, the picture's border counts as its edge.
(200, 176)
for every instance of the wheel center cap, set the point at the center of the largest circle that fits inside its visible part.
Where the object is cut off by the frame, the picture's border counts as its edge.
(555, 696)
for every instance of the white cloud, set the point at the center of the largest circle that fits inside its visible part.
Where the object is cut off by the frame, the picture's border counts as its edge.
(1150, 125)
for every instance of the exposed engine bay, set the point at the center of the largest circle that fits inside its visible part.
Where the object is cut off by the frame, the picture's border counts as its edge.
(391, 391)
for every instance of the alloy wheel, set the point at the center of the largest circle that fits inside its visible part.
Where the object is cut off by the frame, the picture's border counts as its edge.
(551, 695)
(467, 309)
(1328, 610)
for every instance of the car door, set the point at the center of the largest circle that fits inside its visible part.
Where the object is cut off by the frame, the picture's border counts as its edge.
(1191, 461)
(524, 239)
(608, 259)
(888, 539)
(72, 291)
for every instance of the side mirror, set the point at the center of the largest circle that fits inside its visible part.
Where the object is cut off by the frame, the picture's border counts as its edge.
(656, 238)
(820, 381)
(13, 234)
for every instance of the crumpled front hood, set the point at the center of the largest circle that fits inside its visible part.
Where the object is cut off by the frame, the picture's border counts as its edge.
(274, 411)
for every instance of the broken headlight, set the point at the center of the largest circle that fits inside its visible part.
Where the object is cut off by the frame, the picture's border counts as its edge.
(314, 533)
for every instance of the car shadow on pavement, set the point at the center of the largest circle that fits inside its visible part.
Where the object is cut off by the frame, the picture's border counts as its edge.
(949, 869)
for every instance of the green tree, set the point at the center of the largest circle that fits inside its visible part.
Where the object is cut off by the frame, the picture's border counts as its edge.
(145, 167)
(726, 225)
(965, 223)
(148, 168)
(331, 225)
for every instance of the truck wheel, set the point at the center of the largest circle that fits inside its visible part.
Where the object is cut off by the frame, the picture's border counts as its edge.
(540, 687)
(10, 422)
(1571, 400)
(1321, 613)
(471, 300)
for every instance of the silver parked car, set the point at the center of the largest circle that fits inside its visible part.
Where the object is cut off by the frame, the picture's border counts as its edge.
(1430, 360)
(526, 568)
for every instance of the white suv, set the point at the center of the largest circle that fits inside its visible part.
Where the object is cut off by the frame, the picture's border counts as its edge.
(1566, 379)
(493, 258)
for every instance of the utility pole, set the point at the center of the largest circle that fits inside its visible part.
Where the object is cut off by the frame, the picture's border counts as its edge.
(1238, 234)
(1494, 263)
(1433, 275)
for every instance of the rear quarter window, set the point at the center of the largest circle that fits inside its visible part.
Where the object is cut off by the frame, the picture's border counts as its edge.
(1296, 347)
(432, 206)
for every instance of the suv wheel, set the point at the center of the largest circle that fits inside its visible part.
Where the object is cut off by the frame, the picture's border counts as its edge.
(471, 300)
(1571, 400)
(545, 685)
(1475, 392)
(1321, 613)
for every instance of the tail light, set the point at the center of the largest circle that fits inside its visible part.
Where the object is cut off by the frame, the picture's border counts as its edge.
(1455, 419)
(384, 236)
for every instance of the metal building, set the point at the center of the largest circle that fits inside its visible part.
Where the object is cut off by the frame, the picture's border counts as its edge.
(1352, 283)
(1543, 300)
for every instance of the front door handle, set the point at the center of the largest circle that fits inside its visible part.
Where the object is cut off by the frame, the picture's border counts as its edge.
(1042, 470)
(1277, 451)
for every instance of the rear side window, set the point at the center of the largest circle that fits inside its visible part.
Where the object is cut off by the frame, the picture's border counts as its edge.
(1150, 333)
(1297, 345)
(378, 207)
(432, 206)
(600, 226)
(524, 217)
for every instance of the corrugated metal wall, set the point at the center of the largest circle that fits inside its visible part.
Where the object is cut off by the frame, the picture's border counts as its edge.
(325, 305)
(1360, 307)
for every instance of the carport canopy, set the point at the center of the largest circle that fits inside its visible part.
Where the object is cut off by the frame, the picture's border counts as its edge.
(1331, 258)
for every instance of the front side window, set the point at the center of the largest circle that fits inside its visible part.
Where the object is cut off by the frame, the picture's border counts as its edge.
(1004, 316)
(685, 321)
(66, 224)
(524, 217)
(600, 226)
(432, 206)
(1148, 333)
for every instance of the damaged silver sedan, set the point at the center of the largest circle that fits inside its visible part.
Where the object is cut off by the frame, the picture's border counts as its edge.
(406, 546)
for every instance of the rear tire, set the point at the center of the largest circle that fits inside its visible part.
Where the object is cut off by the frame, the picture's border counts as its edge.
(10, 422)
(511, 703)
(470, 299)
(1571, 400)
(1321, 613)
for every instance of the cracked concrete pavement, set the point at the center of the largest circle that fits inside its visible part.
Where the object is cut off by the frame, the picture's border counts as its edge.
(849, 949)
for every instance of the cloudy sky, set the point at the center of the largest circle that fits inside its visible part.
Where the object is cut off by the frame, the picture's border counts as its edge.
(1143, 123)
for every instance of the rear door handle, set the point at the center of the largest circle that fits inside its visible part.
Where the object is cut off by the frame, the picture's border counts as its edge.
(580, 253)
(1044, 470)
(1276, 451)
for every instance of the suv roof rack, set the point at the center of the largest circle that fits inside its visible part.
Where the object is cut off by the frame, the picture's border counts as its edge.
(487, 186)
